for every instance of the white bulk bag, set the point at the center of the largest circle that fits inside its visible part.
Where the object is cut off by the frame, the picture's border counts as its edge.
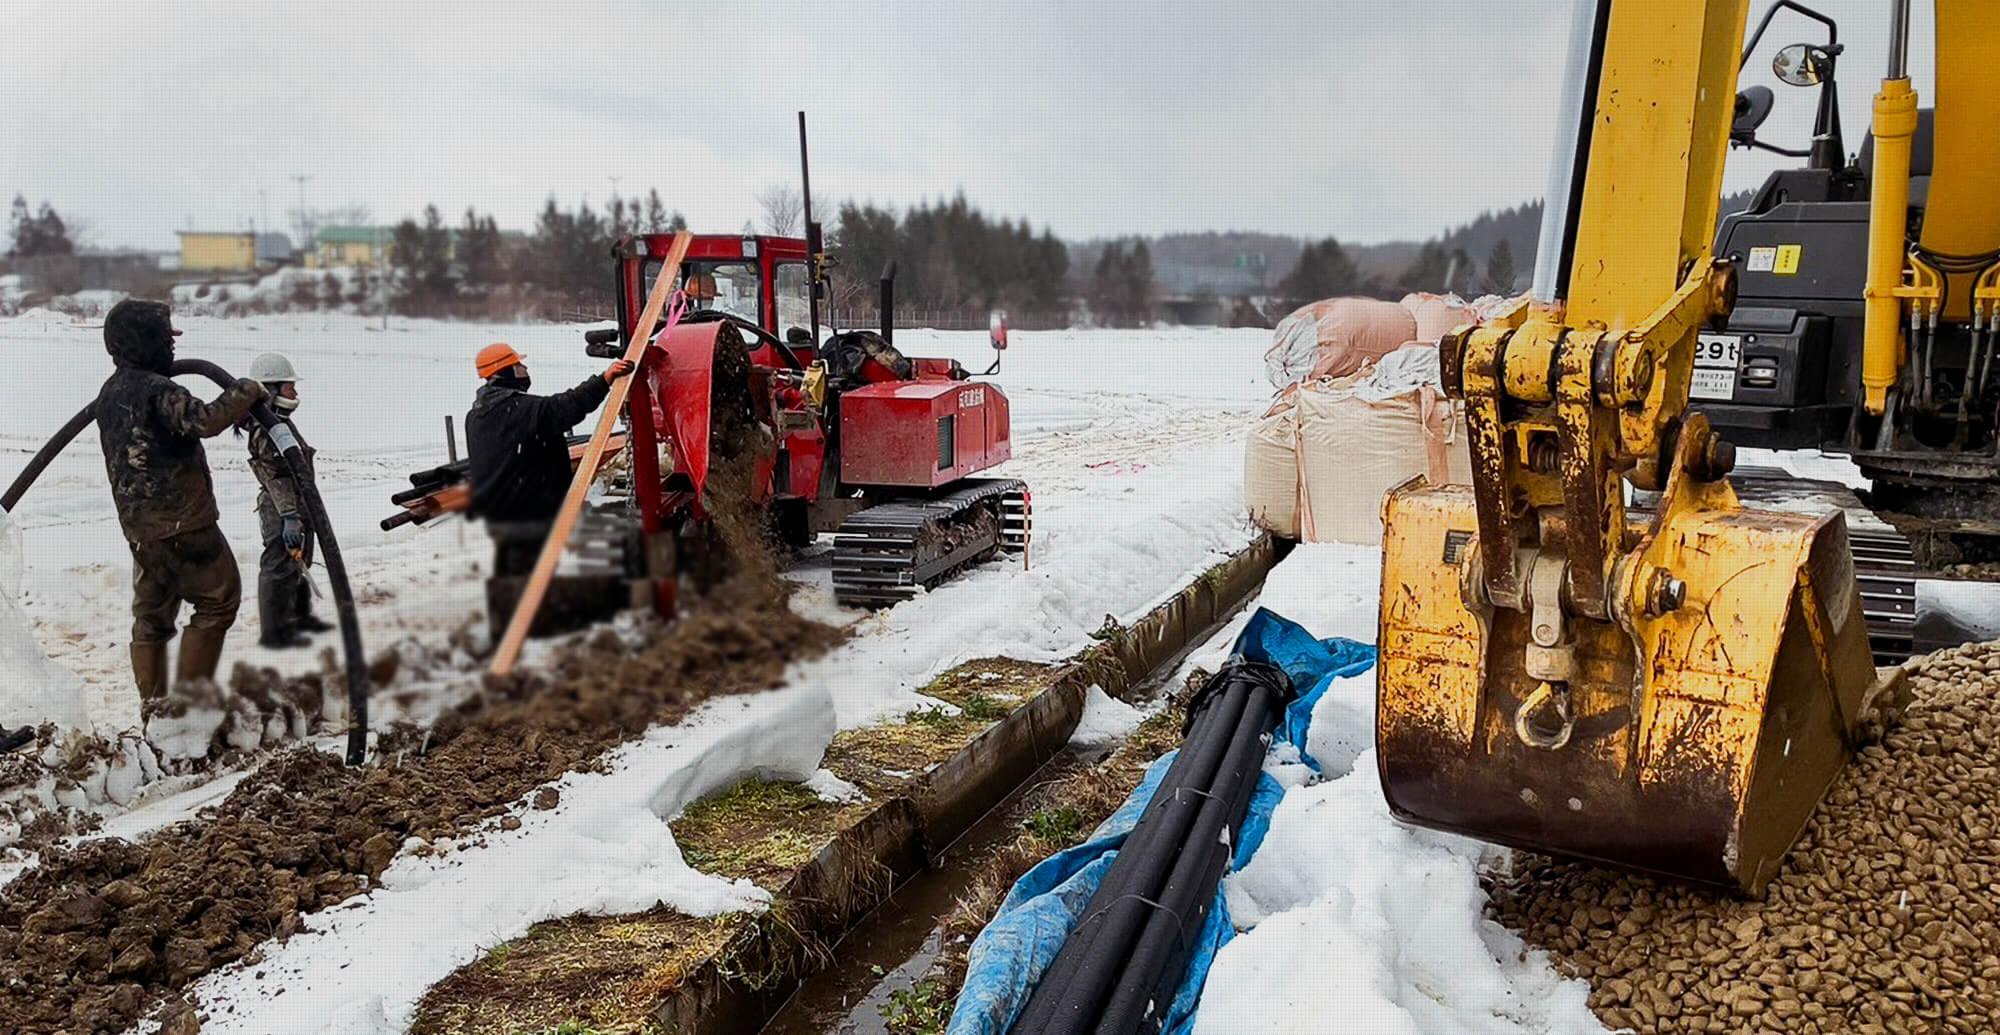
(1271, 471)
(1353, 449)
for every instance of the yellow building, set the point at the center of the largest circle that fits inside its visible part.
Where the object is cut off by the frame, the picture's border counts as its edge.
(351, 246)
(231, 251)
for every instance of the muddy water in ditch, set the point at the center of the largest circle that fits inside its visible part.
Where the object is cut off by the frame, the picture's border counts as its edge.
(893, 946)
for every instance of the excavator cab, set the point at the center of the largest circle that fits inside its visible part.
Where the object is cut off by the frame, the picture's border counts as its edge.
(1668, 690)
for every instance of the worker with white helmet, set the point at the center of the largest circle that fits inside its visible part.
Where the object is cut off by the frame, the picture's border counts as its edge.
(284, 593)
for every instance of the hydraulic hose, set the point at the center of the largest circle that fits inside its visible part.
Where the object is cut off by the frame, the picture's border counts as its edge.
(322, 526)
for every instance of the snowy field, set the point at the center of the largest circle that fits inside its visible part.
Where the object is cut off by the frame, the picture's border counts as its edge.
(1129, 420)
(1131, 442)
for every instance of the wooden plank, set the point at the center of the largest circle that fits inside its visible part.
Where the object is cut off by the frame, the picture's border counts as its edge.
(593, 454)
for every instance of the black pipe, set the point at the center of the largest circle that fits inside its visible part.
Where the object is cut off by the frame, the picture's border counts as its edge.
(888, 303)
(1159, 959)
(1132, 945)
(336, 568)
(814, 242)
(1071, 996)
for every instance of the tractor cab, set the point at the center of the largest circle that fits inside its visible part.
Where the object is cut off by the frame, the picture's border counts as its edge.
(759, 283)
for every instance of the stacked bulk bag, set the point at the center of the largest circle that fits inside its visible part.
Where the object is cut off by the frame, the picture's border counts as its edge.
(1350, 440)
(1360, 437)
(1335, 338)
(1437, 315)
(1271, 471)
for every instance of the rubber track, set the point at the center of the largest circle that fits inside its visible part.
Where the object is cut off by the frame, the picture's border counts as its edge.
(879, 554)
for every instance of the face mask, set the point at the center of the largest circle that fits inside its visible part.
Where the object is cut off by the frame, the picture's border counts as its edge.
(284, 405)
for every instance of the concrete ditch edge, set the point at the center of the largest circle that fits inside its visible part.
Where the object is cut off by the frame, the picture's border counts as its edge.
(742, 985)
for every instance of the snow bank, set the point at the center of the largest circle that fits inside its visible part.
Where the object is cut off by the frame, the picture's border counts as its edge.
(1354, 915)
(1105, 719)
(293, 288)
(606, 849)
(33, 689)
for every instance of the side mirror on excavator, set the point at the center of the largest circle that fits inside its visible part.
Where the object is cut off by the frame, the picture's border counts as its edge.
(1801, 64)
(1753, 106)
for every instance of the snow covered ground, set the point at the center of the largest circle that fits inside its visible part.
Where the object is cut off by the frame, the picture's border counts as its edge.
(1098, 415)
(1131, 442)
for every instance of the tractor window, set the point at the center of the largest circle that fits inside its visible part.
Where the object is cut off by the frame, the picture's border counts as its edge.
(793, 291)
(725, 285)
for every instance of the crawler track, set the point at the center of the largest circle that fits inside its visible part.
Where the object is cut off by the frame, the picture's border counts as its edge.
(886, 554)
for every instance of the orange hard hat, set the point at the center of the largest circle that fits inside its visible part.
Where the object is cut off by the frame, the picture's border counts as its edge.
(497, 357)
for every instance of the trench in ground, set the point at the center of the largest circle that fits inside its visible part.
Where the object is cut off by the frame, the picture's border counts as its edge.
(893, 946)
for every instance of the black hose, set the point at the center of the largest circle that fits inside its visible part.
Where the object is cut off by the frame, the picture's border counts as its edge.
(322, 525)
(1160, 956)
(48, 452)
(336, 567)
(1071, 994)
(1132, 947)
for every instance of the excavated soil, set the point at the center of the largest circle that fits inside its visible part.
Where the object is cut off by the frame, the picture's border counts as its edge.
(1886, 917)
(97, 934)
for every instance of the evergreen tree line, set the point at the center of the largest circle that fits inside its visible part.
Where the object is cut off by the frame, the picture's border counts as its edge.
(568, 253)
(1325, 270)
(1121, 288)
(35, 234)
(948, 255)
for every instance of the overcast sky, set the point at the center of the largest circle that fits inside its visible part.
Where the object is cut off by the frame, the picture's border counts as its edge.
(1365, 120)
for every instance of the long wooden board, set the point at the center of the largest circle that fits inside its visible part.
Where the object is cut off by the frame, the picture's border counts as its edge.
(579, 486)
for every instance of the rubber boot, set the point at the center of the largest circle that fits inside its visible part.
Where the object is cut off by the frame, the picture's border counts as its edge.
(201, 651)
(149, 670)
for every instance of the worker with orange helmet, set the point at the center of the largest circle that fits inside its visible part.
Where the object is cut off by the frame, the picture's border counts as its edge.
(519, 447)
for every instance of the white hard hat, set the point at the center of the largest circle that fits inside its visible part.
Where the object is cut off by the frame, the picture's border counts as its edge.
(272, 367)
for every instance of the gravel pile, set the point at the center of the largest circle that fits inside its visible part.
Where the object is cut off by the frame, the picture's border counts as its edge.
(1886, 917)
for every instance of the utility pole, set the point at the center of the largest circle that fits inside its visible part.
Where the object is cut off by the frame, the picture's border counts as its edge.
(305, 221)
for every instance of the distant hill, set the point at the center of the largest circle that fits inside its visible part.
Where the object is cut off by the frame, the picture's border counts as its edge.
(1242, 263)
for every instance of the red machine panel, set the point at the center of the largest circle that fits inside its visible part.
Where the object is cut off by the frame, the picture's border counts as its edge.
(921, 433)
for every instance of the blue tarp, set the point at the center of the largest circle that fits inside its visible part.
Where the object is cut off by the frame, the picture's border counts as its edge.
(1028, 930)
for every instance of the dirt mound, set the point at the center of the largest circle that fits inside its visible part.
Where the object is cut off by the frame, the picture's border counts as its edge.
(97, 934)
(1886, 916)
(56, 789)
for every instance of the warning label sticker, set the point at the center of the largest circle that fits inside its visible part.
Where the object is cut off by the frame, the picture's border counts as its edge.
(1761, 260)
(1787, 259)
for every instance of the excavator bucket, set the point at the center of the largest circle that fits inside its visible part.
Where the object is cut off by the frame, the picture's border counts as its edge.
(1695, 743)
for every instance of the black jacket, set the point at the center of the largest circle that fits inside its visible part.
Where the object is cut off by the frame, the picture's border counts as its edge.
(151, 428)
(520, 450)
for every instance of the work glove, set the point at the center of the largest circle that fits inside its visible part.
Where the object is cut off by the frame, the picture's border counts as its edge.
(294, 535)
(618, 368)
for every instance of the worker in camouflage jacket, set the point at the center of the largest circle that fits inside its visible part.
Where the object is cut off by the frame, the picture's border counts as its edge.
(151, 430)
(284, 592)
(519, 447)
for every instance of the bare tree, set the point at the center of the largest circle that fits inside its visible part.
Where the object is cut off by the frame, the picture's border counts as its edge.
(783, 214)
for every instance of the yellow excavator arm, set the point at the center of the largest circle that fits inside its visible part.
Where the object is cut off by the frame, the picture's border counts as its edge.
(1670, 690)
(1953, 273)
